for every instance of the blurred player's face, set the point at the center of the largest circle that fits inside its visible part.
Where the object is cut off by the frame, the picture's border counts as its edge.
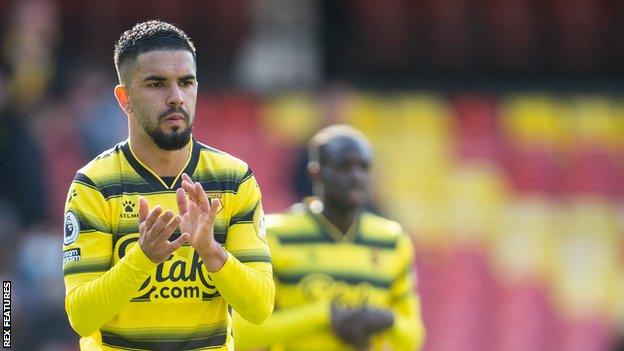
(345, 173)
(162, 92)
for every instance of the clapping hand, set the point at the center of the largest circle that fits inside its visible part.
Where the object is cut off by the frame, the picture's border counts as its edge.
(155, 229)
(198, 215)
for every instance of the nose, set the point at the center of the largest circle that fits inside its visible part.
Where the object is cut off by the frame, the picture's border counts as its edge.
(359, 174)
(174, 96)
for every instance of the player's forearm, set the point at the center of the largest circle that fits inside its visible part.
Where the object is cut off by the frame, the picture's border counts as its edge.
(91, 304)
(250, 291)
(282, 326)
(407, 332)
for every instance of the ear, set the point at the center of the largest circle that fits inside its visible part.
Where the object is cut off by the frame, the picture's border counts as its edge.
(123, 98)
(314, 172)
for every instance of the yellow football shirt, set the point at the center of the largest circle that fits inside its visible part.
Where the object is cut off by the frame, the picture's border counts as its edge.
(118, 299)
(314, 264)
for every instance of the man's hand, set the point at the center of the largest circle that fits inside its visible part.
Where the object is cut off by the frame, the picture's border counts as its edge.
(155, 230)
(345, 324)
(356, 326)
(376, 319)
(198, 219)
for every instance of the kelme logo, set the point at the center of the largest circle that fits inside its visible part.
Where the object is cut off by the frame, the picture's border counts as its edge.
(128, 210)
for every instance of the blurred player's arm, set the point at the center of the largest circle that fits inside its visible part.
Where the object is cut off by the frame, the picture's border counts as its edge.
(282, 326)
(246, 279)
(407, 332)
(95, 292)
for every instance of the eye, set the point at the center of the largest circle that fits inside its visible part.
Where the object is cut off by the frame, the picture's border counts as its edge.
(186, 83)
(155, 84)
(344, 166)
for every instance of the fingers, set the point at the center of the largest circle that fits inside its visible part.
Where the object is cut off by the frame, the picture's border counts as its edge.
(169, 228)
(182, 201)
(190, 190)
(195, 193)
(160, 224)
(355, 326)
(348, 328)
(187, 178)
(375, 319)
(157, 226)
(174, 245)
(143, 209)
(201, 197)
(150, 232)
(151, 218)
(214, 207)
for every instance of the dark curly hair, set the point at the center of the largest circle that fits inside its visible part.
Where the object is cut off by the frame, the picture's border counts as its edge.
(148, 36)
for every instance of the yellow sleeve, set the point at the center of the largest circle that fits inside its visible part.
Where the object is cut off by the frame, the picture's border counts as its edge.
(95, 292)
(408, 332)
(246, 279)
(282, 326)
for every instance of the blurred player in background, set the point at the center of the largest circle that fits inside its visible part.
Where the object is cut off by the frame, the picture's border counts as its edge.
(343, 275)
(162, 233)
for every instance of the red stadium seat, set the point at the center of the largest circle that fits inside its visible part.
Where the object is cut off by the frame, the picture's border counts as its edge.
(535, 169)
(229, 122)
(477, 128)
(590, 333)
(523, 319)
(464, 292)
(593, 171)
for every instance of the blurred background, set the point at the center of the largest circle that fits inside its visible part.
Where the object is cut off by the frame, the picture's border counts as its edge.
(498, 127)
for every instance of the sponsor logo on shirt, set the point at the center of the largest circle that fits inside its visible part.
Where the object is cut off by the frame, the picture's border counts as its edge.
(128, 210)
(72, 255)
(176, 278)
(319, 286)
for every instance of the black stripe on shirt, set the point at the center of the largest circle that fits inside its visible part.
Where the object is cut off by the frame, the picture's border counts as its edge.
(350, 278)
(164, 342)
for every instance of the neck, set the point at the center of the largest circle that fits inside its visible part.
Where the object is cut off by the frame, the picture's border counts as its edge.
(340, 216)
(165, 163)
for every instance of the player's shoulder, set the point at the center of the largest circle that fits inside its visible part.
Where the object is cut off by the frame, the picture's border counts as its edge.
(222, 163)
(101, 166)
(381, 232)
(373, 224)
(289, 222)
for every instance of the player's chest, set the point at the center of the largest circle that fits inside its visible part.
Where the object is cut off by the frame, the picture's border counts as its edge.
(182, 276)
(345, 273)
(124, 210)
(337, 256)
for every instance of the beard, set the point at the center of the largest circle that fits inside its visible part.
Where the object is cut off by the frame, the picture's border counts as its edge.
(174, 140)
(170, 141)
